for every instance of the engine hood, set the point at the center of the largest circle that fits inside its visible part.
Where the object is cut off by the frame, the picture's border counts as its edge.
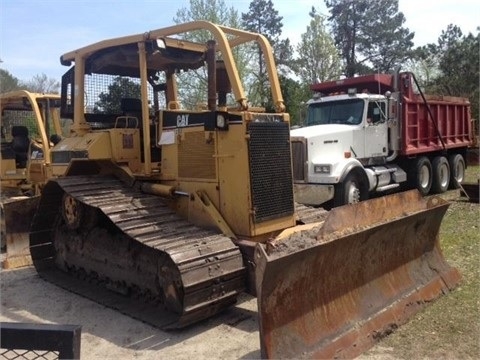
(322, 130)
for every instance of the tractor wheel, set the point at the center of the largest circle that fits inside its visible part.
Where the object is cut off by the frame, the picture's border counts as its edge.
(76, 214)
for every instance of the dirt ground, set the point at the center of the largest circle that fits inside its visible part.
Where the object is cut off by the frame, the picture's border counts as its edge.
(440, 332)
(107, 334)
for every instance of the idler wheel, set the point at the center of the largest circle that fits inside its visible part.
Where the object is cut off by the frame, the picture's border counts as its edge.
(76, 214)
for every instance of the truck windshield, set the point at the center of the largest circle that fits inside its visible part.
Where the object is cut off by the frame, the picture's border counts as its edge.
(348, 112)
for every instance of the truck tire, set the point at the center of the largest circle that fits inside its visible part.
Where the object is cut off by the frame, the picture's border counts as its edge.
(422, 175)
(457, 170)
(441, 174)
(351, 190)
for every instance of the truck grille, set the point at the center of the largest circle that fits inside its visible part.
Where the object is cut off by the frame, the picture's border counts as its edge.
(299, 158)
(270, 170)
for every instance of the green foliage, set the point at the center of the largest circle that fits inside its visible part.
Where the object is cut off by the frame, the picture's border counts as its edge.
(262, 18)
(424, 65)
(8, 82)
(455, 60)
(459, 65)
(110, 102)
(318, 59)
(363, 36)
(192, 86)
(42, 84)
(294, 95)
(39, 83)
(215, 11)
(25, 118)
(369, 35)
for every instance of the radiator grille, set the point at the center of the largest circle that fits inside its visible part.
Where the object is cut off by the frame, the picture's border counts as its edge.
(299, 157)
(270, 170)
(64, 157)
(196, 157)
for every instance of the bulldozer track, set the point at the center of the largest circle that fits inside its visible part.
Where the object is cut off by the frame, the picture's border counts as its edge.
(138, 247)
(309, 214)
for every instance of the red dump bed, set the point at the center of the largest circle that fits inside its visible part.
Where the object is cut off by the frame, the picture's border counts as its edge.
(451, 115)
(452, 119)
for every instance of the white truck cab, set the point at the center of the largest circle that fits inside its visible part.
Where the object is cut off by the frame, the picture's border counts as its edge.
(342, 150)
(371, 134)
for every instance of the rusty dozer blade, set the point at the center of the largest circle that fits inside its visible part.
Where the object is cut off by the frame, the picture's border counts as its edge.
(334, 290)
(17, 215)
(471, 191)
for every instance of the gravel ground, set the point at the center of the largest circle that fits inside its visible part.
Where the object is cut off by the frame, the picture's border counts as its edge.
(107, 334)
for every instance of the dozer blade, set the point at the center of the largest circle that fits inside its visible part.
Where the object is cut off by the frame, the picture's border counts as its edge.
(472, 190)
(17, 216)
(334, 290)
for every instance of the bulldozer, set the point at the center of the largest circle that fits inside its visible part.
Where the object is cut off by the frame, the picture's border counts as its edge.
(30, 126)
(167, 211)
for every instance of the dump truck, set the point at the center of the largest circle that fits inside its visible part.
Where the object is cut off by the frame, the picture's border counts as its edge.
(167, 212)
(374, 134)
(30, 126)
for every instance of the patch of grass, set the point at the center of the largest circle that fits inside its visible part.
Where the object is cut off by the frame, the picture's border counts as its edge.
(450, 327)
(472, 174)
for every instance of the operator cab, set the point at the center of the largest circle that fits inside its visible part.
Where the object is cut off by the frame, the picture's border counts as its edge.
(115, 73)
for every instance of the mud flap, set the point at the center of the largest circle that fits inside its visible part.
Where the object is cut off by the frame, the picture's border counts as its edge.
(336, 289)
(17, 215)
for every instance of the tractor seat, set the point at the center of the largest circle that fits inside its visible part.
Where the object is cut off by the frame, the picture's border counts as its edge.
(20, 145)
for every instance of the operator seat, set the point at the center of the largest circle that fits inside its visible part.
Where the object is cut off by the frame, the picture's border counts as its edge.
(20, 145)
(132, 107)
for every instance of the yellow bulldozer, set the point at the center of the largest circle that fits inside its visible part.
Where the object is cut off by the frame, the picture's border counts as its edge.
(168, 212)
(30, 126)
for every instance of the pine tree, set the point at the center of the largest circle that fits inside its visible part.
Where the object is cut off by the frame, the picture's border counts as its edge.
(318, 59)
(262, 18)
(192, 85)
(8, 82)
(369, 35)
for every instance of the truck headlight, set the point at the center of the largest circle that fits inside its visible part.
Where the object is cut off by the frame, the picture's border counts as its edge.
(321, 169)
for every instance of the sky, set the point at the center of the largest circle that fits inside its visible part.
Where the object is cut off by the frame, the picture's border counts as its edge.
(34, 34)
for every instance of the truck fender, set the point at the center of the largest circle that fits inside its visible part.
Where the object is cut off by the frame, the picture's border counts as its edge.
(353, 185)
(353, 165)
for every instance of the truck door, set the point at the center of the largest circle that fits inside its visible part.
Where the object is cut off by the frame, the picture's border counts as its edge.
(376, 130)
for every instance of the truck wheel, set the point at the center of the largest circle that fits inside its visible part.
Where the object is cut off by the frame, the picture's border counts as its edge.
(441, 174)
(422, 175)
(457, 170)
(352, 190)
